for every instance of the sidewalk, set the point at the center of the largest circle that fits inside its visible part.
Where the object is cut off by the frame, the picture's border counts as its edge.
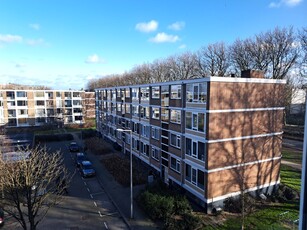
(120, 195)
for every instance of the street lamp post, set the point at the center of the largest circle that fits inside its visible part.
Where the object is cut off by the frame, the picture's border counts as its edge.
(131, 175)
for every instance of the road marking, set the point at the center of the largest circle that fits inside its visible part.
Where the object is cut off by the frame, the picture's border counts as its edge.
(91, 196)
(109, 214)
(88, 190)
(84, 183)
(95, 204)
(105, 224)
(99, 213)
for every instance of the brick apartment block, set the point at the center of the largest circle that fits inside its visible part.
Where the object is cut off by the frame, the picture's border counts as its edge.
(204, 135)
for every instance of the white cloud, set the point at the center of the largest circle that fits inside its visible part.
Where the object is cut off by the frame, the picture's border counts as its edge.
(35, 42)
(183, 46)
(8, 38)
(94, 59)
(35, 26)
(163, 37)
(147, 27)
(290, 3)
(177, 26)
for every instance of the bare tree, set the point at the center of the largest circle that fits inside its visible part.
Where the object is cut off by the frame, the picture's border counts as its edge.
(303, 46)
(31, 184)
(213, 60)
(240, 58)
(282, 51)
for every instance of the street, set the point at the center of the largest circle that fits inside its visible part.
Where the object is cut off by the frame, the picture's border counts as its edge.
(86, 206)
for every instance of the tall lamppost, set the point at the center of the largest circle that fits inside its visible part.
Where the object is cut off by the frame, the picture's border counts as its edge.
(131, 176)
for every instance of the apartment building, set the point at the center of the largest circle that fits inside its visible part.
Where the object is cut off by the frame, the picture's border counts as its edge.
(30, 107)
(214, 137)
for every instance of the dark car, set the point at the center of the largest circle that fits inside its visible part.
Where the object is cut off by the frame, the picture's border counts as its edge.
(74, 147)
(79, 158)
(86, 169)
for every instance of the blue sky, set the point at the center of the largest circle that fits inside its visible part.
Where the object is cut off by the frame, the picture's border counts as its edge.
(63, 44)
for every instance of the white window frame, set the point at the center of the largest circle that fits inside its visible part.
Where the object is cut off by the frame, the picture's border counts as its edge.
(177, 164)
(178, 140)
(177, 116)
(155, 153)
(155, 133)
(153, 90)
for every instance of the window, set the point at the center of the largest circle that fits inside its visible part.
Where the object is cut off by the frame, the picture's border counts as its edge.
(40, 103)
(144, 149)
(155, 113)
(176, 116)
(41, 94)
(188, 120)
(196, 92)
(175, 140)
(22, 103)
(175, 91)
(145, 94)
(155, 133)
(76, 94)
(195, 176)
(135, 110)
(58, 94)
(135, 127)
(128, 108)
(21, 94)
(144, 113)
(135, 93)
(155, 92)
(127, 92)
(195, 149)
(118, 93)
(195, 121)
(155, 153)
(119, 107)
(175, 164)
(145, 131)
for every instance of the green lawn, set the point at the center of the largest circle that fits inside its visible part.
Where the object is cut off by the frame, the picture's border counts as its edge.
(291, 177)
(276, 216)
(292, 155)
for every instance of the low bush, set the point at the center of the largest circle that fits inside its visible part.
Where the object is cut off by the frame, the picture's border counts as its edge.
(289, 194)
(187, 221)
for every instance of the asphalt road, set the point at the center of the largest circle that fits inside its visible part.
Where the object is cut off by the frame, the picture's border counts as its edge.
(86, 206)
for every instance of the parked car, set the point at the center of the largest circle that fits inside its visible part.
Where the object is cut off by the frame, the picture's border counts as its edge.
(1, 217)
(79, 158)
(74, 147)
(86, 169)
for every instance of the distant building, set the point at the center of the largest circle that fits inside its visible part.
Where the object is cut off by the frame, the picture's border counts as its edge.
(204, 135)
(298, 98)
(31, 107)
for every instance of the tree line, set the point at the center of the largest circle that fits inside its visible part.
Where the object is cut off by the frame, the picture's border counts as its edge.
(275, 52)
